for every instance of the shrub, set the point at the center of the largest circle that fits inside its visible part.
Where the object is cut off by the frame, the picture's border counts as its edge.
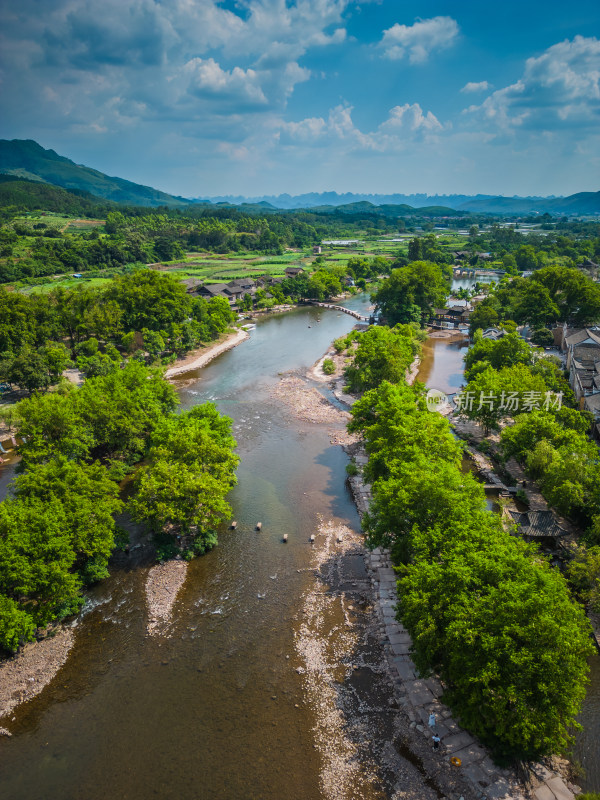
(16, 626)
(543, 337)
(328, 366)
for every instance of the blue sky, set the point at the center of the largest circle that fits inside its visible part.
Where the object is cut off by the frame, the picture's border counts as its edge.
(201, 98)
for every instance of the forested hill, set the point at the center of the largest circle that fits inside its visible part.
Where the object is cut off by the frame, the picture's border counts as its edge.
(30, 195)
(582, 203)
(25, 158)
(387, 210)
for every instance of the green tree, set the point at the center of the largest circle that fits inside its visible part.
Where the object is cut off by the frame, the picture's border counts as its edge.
(535, 305)
(414, 249)
(109, 417)
(584, 575)
(507, 351)
(420, 283)
(89, 499)
(16, 625)
(182, 491)
(485, 315)
(36, 559)
(494, 395)
(483, 610)
(36, 369)
(542, 337)
(149, 299)
(500, 629)
(383, 354)
(575, 295)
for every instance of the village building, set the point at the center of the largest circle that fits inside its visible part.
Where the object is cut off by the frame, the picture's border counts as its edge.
(461, 255)
(538, 526)
(191, 284)
(211, 290)
(453, 318)
(233, 291)
(493, 333)
(588, 264)
(582, 347)
(293, 272)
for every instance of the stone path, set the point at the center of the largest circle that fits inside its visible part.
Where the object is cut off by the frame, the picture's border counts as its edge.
(419, 697)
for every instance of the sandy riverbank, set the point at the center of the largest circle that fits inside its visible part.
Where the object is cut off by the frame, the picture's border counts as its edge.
(308, 405)
(200, 358)
(25, 675)
(162, 586)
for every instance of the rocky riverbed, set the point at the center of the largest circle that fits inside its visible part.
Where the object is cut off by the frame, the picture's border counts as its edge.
(25, 675)
(162, 585)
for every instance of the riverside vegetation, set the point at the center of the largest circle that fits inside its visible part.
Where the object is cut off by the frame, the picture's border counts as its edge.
(57, 530)
(485, 610)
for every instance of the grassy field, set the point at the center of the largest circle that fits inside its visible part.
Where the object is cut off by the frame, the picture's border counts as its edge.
(63, 282)
(221, 268)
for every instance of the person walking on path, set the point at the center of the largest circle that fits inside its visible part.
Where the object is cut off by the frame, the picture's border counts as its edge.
(431, 722)
(436, 742)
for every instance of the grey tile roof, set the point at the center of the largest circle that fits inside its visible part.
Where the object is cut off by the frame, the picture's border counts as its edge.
(537, 524)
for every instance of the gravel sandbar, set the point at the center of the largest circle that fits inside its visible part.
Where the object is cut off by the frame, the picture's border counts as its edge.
(27, 673)
(162, 585)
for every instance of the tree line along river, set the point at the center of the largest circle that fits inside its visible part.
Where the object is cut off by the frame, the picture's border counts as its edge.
(217, 709)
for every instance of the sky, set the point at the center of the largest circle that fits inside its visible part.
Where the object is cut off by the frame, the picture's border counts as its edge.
(252, 97)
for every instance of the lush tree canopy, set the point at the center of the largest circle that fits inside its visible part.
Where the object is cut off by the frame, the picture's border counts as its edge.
(484, 610)
(411, 291)
(382, 354)
(182, 491)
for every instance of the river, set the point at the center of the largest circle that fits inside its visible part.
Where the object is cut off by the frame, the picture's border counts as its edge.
(217, 709)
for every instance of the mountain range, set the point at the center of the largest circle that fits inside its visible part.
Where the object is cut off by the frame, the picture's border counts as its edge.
(24, 158)
(582, 203)
(27, 160)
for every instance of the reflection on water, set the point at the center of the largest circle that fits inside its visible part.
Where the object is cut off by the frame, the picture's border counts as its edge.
(442, 364)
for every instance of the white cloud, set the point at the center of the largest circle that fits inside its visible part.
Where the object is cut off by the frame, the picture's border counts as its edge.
(412, 118)
(207, 78)
(418, 41)
(560, 88)
(176, 60)
(472, 86)
(405, 124)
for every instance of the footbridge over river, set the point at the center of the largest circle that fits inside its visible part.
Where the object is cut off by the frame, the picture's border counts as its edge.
(352, 313)
(463, 272)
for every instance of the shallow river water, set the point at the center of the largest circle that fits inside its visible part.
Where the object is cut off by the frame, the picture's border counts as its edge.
(216, 709)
